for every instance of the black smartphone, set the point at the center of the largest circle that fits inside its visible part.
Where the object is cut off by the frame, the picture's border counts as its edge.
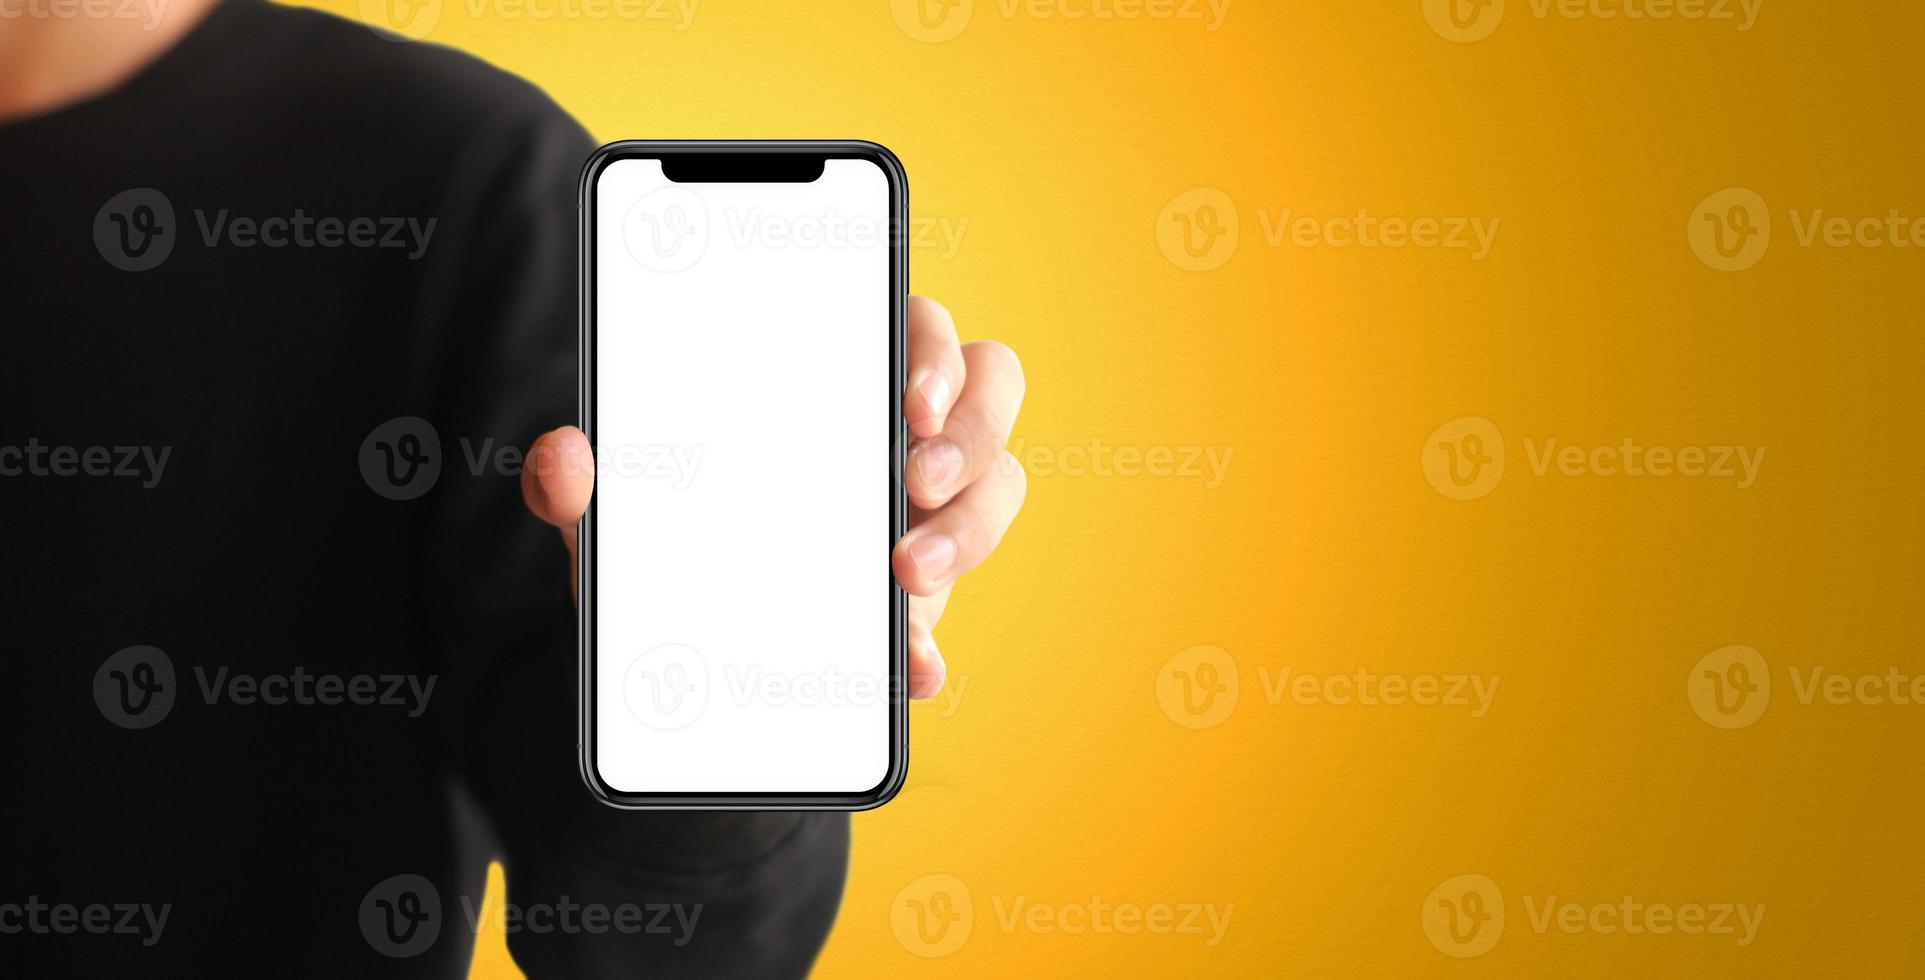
(743, 640)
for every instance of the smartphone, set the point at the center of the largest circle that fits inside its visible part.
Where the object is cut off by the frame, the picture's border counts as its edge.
(743, 640)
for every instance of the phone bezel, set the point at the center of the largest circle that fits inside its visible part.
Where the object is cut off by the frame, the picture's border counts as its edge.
(898, 766)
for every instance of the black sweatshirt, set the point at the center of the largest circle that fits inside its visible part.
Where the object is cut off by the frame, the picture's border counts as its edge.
(268, 652)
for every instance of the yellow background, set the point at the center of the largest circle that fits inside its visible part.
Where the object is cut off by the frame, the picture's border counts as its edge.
(1057, 776)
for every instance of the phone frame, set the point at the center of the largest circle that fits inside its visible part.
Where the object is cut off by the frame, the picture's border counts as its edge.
(897, 690)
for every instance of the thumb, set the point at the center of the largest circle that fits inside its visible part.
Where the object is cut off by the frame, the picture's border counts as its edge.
(557, 480)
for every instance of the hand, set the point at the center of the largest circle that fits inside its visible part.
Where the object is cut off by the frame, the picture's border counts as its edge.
(964, 488)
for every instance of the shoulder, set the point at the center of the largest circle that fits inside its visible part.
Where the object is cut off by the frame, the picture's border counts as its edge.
(343, 78)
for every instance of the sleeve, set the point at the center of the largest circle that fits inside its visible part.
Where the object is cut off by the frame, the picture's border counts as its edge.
(718, 893)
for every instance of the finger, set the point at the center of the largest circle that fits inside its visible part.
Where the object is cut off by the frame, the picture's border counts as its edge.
(973, 437)
(935, 367)
(958, 537)
(559, 477)
(557, 480)
(926, 667)
(926, 610)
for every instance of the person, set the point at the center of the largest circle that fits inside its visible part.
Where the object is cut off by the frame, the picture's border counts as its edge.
(249, 696)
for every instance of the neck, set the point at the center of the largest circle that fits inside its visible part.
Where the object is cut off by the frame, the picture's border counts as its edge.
(53, 55)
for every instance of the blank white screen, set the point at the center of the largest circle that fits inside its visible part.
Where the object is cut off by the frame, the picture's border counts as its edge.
(743, 484)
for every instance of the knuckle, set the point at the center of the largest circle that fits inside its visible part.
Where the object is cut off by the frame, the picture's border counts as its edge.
(980, 430)
(1012, 470)
(979, 530)
(997, 359)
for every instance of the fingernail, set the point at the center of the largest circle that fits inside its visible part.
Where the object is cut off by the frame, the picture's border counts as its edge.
(934, 389)
(932, 554)
(938, 462)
